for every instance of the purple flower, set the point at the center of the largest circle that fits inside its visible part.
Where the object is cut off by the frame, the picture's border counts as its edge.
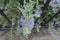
(31, 22)
(58, 1)
(53, 5)
(40, 11)
(22, 22)
(55, 1)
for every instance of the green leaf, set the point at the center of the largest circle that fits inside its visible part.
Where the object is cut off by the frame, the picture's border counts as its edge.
(22, 10)
(29, 6)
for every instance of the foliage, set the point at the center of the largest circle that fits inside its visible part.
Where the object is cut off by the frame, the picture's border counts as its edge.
(24, 16)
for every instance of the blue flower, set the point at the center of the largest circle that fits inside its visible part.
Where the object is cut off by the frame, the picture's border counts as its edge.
(31, 22)
(58, 1)
(52, 4)
(55, 1)
(22, 22)
(40, 11)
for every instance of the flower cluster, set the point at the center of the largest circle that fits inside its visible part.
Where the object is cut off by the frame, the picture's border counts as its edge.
(23, 23)
(31, 22)
(53, 4)
(58, 1)
(40, 11)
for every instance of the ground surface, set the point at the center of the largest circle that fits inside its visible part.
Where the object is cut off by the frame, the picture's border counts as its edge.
(32, 36)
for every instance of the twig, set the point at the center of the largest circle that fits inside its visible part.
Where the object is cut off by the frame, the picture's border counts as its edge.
(46, 5)
(43, 8)
(1, 26)
(51, 18)
(2, 13)
(4, 28)
(21, 2)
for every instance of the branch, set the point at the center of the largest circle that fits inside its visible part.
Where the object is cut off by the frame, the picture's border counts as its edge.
(43, 8)
(51, 18)
(2, 13)
(21, 2)
(5, 28)
(46, 5)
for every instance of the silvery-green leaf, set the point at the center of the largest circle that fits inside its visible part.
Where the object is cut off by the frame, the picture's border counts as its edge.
(22, 10)
(31, 15)
(26, 31)
(29, 7)
(37, 15)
